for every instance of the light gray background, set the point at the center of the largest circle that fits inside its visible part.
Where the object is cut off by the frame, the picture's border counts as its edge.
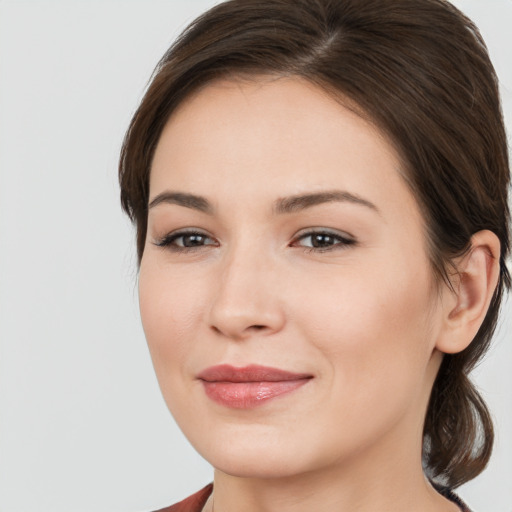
(83, 426)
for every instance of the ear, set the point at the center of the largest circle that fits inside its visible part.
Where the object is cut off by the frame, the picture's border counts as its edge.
(465, 308)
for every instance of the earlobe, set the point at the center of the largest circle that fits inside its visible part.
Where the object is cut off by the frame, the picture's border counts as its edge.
(474, 286)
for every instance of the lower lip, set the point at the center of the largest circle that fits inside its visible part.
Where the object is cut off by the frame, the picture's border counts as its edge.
(246, 395)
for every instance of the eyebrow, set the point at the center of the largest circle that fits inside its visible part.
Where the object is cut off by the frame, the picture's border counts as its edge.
(183, 199)
(300, 202)
(283, 205)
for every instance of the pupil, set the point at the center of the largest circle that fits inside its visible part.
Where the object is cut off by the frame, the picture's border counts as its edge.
(193, 240)
(322, 240)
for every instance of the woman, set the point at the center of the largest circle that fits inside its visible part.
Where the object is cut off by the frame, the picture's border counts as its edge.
(320, 194)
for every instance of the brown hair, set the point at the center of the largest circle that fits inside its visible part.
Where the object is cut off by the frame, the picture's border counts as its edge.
(419, 70)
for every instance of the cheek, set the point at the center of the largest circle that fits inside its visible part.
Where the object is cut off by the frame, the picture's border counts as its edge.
(169, 311)
(373, 327)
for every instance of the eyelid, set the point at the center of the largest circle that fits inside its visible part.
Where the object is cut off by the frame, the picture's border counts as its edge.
(327, 231)
(167, 240)
(344, 239)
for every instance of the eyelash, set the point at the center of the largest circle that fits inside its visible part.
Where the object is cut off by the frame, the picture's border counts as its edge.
(344, 241)
(168, 241)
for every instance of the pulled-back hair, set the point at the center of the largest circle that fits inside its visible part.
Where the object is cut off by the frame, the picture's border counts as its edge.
(420, 71)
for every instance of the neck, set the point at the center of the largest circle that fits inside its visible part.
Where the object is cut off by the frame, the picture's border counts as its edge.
(382, 478)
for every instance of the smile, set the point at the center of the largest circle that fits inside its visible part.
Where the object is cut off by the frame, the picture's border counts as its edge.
(249, 386)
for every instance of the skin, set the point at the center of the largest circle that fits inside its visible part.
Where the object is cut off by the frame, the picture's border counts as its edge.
(363, 317)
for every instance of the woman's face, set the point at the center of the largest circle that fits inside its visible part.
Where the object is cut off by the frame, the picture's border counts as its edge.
(285, 289)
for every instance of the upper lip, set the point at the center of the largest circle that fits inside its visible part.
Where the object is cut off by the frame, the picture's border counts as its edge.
(251, 373)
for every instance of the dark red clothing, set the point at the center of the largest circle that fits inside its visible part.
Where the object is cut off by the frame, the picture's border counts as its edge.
(196, 502)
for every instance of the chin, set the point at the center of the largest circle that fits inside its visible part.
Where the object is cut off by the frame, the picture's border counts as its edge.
(248, 455)
(260, 453)
(258, 465)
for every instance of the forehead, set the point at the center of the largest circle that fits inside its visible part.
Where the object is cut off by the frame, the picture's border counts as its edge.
(280, 136)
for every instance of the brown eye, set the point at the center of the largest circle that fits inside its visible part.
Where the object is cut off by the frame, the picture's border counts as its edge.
(185, 240)
(324, 240)
(192, 240)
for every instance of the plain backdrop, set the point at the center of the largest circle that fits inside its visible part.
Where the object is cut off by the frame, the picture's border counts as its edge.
(83, 426)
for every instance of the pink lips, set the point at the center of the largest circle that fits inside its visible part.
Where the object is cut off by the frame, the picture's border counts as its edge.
(249, 386)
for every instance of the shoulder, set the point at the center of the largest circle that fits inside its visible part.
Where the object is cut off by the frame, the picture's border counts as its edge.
(194, 503)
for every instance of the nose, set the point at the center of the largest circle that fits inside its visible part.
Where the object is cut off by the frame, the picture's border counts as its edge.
(247, 299)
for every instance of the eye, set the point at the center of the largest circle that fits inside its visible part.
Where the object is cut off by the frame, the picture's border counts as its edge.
(323, 240)
(185, 240)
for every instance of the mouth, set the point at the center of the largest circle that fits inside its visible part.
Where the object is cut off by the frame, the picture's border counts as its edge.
(249, 386)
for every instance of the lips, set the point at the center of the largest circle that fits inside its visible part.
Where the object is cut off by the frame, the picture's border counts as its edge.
(249, 386)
